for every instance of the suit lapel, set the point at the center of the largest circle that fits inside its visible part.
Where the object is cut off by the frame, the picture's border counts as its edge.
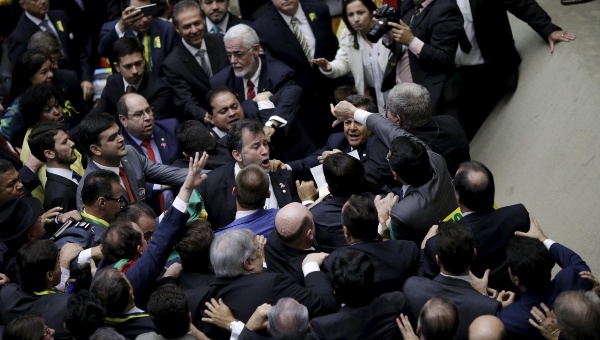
(288, 34)
(160, 138)
(62, 33)
(192, 65)
(314, 26)
(263, 79)
(211, 49)
(281, 191)
(59, 179)
(133, 184)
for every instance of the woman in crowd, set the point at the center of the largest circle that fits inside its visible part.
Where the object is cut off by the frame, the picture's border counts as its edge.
(366, 60)
(28, 327)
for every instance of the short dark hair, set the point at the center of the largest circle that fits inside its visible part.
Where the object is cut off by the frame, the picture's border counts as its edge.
(193, 136)
(577, 313)
(455, 246)
(362, 100)
(234, 136)
(133, 212)
(84, 314)
(26, 326)
(25, 67)
(217, 90)
(531, 262)
(91, 127)
(5, 166)
(126, 46)
(409, 160)
(184, 6)
(477, 195)
(352, 277)
(33, 101)
(41, 139)
(98, 184)
(112, 289)
(120, 241)
(168, 308)
(194, 246)
(251, 187)
(439, 319)
(340, 170)
(360, 217)
(34, 260)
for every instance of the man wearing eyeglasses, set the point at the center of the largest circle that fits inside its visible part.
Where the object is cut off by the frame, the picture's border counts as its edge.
(155, 139)
(190, 65)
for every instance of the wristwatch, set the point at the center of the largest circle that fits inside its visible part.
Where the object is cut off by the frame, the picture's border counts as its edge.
(270, 124)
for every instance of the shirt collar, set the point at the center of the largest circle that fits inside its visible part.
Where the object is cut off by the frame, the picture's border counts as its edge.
(244, 213)
(193, 50)
(37, 21)
(134, 310)
(222, 25)
(220, 133)
(109, 168)
(300, 16)
(458, 277)
(65, 173)
(137, 140)
(136, 86)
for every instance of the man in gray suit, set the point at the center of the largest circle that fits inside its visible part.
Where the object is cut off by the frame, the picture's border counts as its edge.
(427, 195)
(100, 139)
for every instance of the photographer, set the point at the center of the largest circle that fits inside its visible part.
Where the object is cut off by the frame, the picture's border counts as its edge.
(426, 39)
(366, 60)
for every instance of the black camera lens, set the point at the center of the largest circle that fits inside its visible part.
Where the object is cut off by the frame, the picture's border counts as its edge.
(378, 30)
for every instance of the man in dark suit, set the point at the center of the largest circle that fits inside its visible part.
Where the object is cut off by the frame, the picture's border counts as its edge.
(35, 18)
(426, 41)
(438, 319)
(218, 18)
(251, 191)
(371, 151)
(292, 240)
(245, 287)
(100, 138)
(190, 65)
(154, 139)
(492, 229)
(531, 257)
(194, 250)
(489, 69)
(132, 77)
(193, 136)
(364, 314)
(469, 294)
(394, 261)
(265, 86)
(427, 195)
(248, 145)
(410, 108)
(157, 36)
(312, 22)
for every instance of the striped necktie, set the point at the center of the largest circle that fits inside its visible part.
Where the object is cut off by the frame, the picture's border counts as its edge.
(301, 38)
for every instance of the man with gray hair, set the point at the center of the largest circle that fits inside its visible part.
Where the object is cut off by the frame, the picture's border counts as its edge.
(237, 259)
(266, 89)
(409, 106)
(288, 319)
(577, 314)
(190, 65)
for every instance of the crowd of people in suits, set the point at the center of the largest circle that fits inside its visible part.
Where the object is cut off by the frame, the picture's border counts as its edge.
(255, 177)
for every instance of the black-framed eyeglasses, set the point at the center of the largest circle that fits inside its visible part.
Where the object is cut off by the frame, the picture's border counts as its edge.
(237, 54)
(120, 199)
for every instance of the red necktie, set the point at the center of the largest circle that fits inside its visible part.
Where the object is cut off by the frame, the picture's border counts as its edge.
(250, 94)
(123, 176)
(5, 145)
(152, 157)
(130, 89)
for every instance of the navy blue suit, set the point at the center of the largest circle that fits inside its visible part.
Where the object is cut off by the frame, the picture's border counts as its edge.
(515, 316)
(372, 154)
(163, 39)
(327, 216)
(261, 222)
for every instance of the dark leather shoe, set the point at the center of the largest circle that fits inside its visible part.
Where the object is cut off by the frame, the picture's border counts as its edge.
(573, 2)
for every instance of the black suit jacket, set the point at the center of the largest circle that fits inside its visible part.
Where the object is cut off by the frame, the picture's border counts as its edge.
(158, 94)
(76, 56)
(187, 78)
(469, 302)
(394, 262)
(220, 203)
(438, 26)
(286, 260)
(444, 135)
(60, 192)
(376, 320)
(491, 231)
(327, 216)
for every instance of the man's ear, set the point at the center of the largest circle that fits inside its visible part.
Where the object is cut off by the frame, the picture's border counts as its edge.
(210, 119)
(49, 154)
(116, 65)
(474, 253)
(233, 191)
(95, 149)
(437, 260)
(123, 121)
(237, 156)
(345, 231)
(49, 276)
(309, 234)
(248, 266)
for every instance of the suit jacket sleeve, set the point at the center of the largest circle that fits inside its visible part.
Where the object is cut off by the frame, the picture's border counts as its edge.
(29, 179)
(340, 65)
(108, 36)
(387, 131)
(440, 50)
(161, 174)
(317, 295)
(162, 101)
(565, 257)
(533, 14)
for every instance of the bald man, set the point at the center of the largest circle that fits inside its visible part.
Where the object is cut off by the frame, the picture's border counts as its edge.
(487, 327)
(291, 241)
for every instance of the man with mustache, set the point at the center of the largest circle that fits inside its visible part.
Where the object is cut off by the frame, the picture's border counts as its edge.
(218, 18)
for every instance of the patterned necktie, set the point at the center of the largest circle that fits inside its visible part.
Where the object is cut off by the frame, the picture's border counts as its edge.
(250, 93)
(200, 56)
(125, 180)
(301, 38)
(216, 29)
(152, 157)
(130, 89)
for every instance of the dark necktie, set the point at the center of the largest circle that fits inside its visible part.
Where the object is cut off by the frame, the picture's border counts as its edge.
(130, 89)
(463, 42)
(301, 40)
(216, 29)
(250, 93)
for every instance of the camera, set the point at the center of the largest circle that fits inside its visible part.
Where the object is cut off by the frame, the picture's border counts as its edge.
(384, 15)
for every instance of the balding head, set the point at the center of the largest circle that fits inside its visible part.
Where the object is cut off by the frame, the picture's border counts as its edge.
(288, 319)
(474, 187)
(438, 319)
(487, 327)
(577, 314)
(294, 226)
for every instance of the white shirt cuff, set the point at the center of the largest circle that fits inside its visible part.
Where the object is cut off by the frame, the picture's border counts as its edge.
(84, 257)
(288, 167)
(279, 119)
(416, 46)
(548, 243)
(118, 30)
(156, 187)
(361, 116)
(236, 329)
(265, 104)
(65, 273)
(310, 267)
(307, 202)
(180, 205)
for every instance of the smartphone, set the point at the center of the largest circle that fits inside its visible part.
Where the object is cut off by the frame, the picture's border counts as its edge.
(149, 10)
